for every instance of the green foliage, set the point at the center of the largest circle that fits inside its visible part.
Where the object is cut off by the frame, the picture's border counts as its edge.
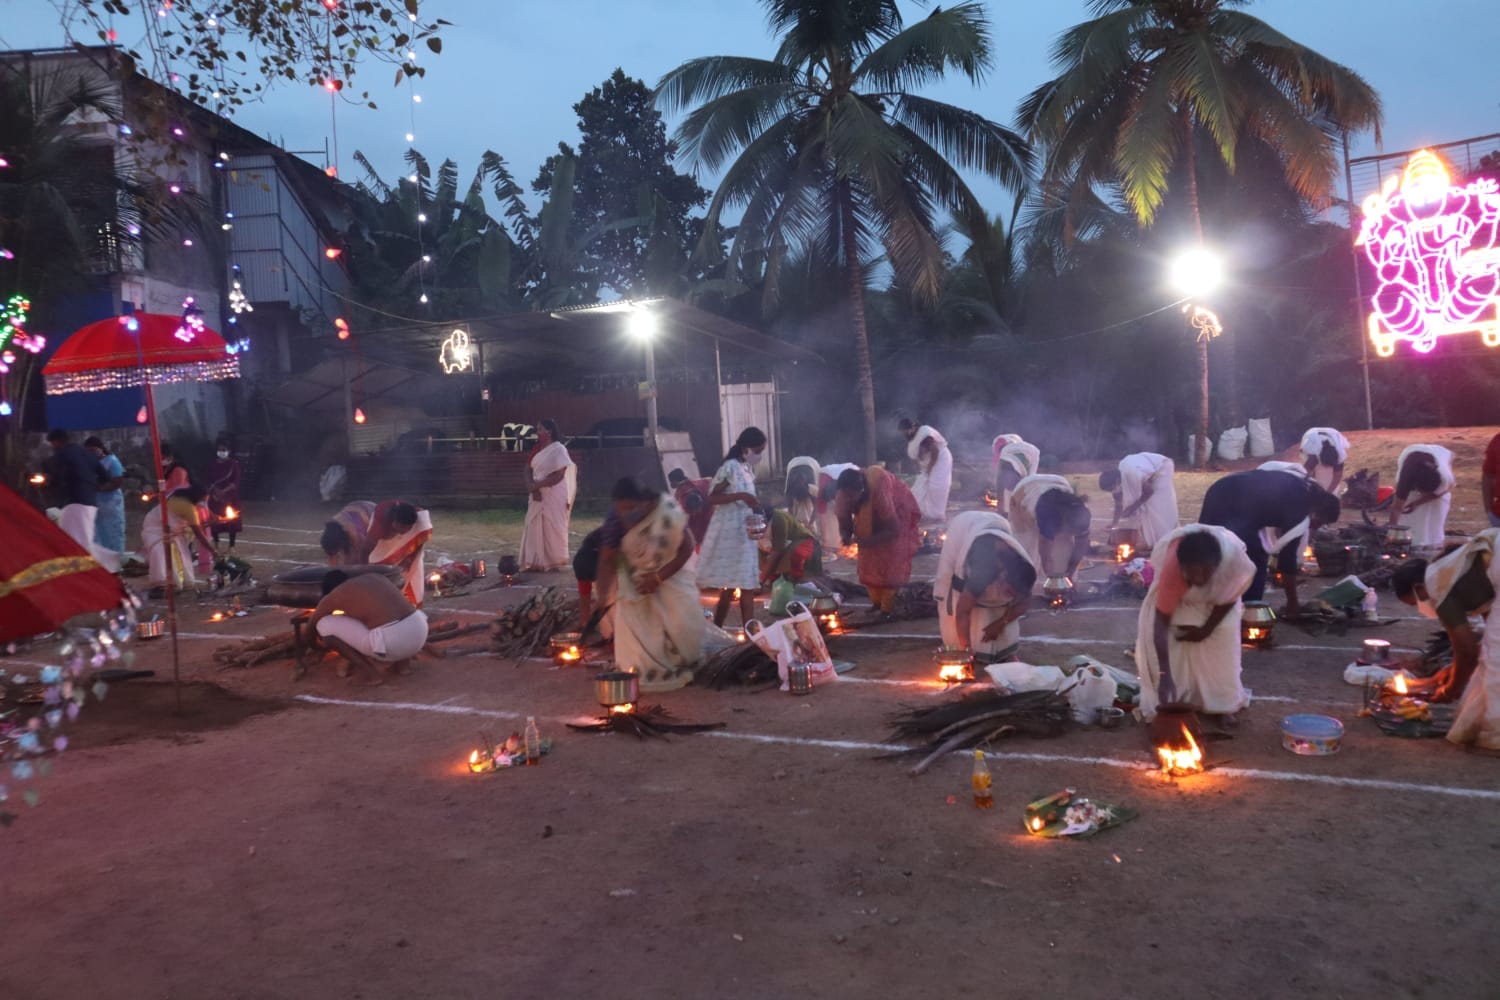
(826, 149)
(622, 170)
(223, 54)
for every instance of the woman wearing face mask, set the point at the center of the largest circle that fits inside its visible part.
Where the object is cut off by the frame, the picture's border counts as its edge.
(1461, 583)
(224, 494)
(646, 560)
(729, 558)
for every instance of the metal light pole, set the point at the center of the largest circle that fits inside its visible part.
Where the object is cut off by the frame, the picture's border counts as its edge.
(643, 327)
(1359, 294)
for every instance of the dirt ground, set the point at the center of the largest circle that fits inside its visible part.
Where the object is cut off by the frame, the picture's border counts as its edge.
(321, 838)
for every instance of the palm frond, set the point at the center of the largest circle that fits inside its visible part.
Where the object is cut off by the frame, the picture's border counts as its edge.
(955, 37)
(1148, 142)
(811, 29)
(716, 128)
(710, 77)
(1200, 74)
(970, 140)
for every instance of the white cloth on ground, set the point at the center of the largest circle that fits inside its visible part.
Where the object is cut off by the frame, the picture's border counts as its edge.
(1206, 674)
(1157, 517)
(963, 530)
(544, 542)
(389, 643)
(1429, 522)
(934, 482)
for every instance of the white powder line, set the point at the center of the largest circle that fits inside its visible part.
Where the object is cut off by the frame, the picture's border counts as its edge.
(290, 531)
(1260, 774)
(1057, 640)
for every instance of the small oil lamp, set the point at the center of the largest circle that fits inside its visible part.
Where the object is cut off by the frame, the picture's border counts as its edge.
(37, 479)
(217, 616)
(955, 666)
(1309, 560)
(991, 499)
(1047, 810)
(737, 634)
(435, 581)
(145, 498)
(1375, 651)
(1257, 624)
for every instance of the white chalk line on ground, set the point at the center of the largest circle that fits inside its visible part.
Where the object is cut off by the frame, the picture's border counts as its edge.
(1255, 773)
(1057, 640)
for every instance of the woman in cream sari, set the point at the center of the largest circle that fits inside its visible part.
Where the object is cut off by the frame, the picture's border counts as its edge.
(1187, 644)
(553, 483)
(659, 626)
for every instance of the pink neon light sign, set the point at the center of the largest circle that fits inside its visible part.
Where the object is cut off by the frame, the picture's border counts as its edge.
(1436, 252)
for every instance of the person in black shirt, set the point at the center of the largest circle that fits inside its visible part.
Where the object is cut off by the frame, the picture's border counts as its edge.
(1266, 506)
(76, 475)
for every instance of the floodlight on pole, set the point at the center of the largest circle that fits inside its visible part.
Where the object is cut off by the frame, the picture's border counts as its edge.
(1197, 272)
(642, 324)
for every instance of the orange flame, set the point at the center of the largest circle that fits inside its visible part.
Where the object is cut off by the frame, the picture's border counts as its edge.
(1398, 684)
(1036, 824)
(479, 761)
(1185, 758)
(955, 673)
(569, 655)
(230, 513)
(624, 709)
(217, 616)
(37, 479)
(990, 500)
(831, 622)
(1124, 552)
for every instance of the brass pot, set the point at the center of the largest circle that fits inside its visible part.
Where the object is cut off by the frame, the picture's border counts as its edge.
(823, 605)
(1257, 624)
(1057, 586)
(616, 687)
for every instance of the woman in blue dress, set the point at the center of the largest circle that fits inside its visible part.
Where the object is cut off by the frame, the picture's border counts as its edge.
(109, 525)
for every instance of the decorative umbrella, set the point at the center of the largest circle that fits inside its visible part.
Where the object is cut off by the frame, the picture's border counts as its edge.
(46, 577)
(145, 349)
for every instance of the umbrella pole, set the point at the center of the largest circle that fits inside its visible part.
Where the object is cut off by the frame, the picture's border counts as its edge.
(166, 544)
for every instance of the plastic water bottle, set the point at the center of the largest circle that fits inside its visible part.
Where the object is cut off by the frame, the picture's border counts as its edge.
(980, 780)
(1371, 605)
(533, 742)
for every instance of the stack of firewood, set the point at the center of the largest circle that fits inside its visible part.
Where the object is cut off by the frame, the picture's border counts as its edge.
(914, 601)
(524, 630)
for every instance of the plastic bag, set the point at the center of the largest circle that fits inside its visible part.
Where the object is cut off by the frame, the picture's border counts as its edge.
(1232, 444)
(1261, 443)
(331, 485)
(782, 592)
(795, 639)
(1017, 677)
(1091, 690)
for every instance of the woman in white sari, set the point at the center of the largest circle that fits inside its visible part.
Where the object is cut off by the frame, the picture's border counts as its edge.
(1424, 493)
(983, 586)
(1055, 540)
(1324, 452)
(1016, 461)
(929, 449)
(1145, 497)
(1460, 584)
(658, 623)
(552, 480)
(1187, 643)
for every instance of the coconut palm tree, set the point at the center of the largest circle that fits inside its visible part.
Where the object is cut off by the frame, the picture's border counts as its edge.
(1148, 86)
(834, 152)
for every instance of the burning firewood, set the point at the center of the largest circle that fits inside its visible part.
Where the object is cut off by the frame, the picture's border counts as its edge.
(978, 717)
(522, 630)
(651, 722)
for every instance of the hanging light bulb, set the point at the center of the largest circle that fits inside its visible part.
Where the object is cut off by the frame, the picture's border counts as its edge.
(423, 299)
(359, 415)
(343, 328)
(332, 253)
(5, 409)
(140, 416)
(421, 216)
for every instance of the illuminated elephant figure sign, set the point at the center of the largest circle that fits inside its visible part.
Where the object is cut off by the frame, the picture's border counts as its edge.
(456, 355)
(1436, 252)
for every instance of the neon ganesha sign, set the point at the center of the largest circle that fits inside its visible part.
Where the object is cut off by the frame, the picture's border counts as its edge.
(1436, 252)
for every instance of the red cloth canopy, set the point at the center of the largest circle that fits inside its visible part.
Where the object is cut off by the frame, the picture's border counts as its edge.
(45, 577)
(137, 349)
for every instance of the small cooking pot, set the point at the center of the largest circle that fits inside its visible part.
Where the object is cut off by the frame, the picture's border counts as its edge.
(824, 604)
(507, 566)
(616, 687)
(799, 678)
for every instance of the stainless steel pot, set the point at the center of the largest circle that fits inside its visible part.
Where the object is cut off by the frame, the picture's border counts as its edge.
(823, 605)
(616, 687)
(799, 678)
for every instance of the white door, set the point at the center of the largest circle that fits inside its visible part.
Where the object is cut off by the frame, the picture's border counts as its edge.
(750, 405)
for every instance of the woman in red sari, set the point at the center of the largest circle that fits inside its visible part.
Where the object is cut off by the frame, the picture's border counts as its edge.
(878, 511)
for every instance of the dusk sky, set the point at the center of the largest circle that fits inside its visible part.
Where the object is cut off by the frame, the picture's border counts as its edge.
(510, 72)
